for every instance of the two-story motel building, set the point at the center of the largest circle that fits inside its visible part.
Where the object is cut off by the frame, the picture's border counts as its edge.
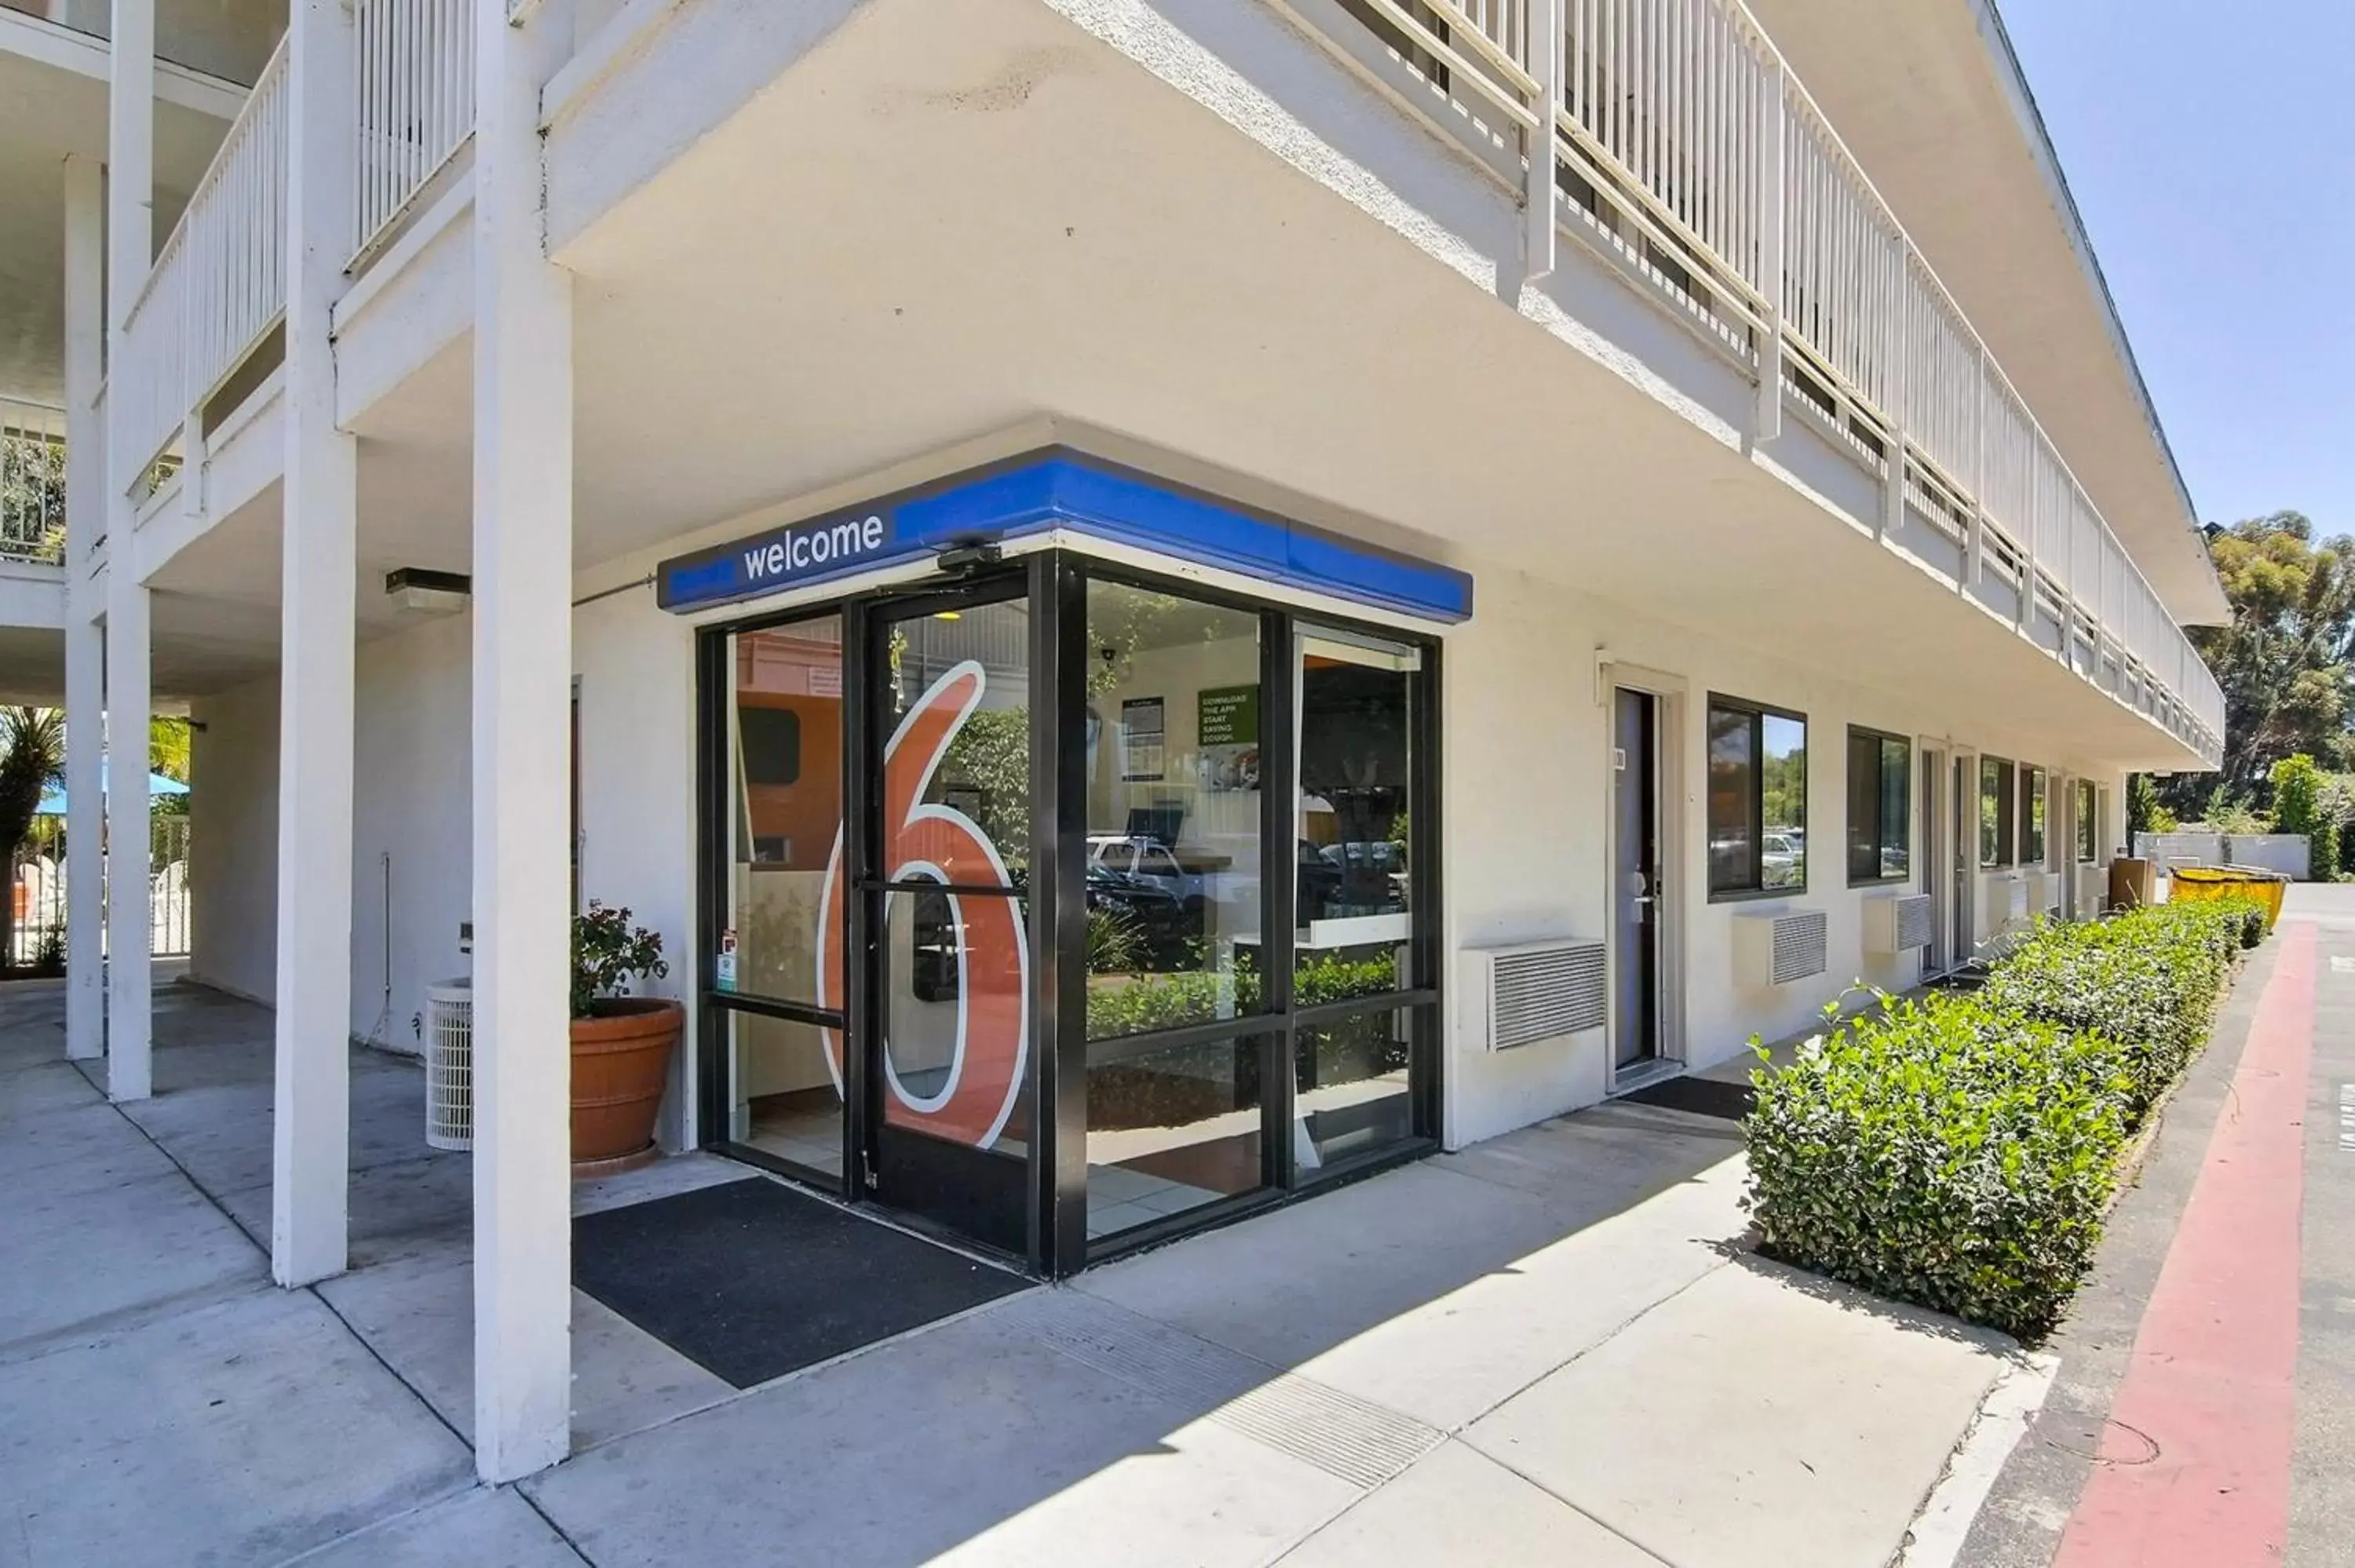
(1164, 601)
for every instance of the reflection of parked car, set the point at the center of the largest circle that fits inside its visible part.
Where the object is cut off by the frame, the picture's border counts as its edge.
(1370, 877)
(1320, 883)
(1162, 921)
(1184, 877)
(1779, 859)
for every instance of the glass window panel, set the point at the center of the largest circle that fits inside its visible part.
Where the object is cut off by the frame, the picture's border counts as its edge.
(1732, 785)
(2031, 816)
(1863, 807)
(785, 782)
(1995, 811)
(1896, 808)
(1353, 815)
(788, 1095)
(1880, 798)
(984, 773)
(1351, 1086)
(1174, 907)
(1172, 1129)
(1782, 802)
(2088, 827)
(956, 1024)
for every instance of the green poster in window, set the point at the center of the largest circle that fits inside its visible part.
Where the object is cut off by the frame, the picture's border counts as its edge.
(1227, 716)
(1226, 733)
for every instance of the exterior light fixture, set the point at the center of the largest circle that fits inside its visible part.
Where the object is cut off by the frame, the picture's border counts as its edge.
(439, 593)
(967, 556)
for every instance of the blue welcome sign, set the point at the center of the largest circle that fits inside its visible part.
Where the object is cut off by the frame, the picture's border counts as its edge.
(1061, 489)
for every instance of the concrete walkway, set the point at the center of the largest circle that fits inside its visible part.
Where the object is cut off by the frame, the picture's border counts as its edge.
(1548, 1348)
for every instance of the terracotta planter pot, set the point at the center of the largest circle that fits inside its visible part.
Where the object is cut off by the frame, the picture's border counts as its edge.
(621, 1063)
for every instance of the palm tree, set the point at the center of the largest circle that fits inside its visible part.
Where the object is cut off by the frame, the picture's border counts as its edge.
(34, 759)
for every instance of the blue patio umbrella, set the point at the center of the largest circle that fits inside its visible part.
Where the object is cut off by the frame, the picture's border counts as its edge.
(53, 803)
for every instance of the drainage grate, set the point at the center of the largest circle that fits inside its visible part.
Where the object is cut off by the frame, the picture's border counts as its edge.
(1348, 1437)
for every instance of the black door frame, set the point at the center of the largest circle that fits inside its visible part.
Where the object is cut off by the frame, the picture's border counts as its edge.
(947, 1186)
(1055, 582)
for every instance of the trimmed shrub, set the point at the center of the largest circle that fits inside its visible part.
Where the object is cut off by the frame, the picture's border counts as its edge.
(1960, 1152)
(2322, 851)
(1944, 1153)
(2148, 979)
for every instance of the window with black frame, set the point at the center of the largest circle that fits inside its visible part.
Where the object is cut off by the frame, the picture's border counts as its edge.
(2031, 815)
(1757, 799)
(1186, 1019)
(1998, 805)
(783, 765)
(1879, 807)
(1175, 923)
(2088, 823)
(1357, 718)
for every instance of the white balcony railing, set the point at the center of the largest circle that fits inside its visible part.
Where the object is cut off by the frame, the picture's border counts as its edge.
(415, 68)
(1683, 145)
(218, 286)
(1682, 140)
(32, 480)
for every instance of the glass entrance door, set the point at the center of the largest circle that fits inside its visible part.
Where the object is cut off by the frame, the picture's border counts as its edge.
(946, 922)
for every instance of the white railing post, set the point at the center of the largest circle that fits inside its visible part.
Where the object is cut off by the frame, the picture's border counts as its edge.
(2026, 608)
(1547, 44)
(1901, 393)
(318, 554)
(1768, 422)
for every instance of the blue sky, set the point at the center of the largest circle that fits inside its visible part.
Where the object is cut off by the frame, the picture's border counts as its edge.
(2211, 152)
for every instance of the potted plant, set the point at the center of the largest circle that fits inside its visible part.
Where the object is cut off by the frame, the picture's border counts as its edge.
(621, 1044)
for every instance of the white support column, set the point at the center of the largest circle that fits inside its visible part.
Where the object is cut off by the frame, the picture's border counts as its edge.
(85, 323)
(131, 159)
(312, 1128)
(522, 704)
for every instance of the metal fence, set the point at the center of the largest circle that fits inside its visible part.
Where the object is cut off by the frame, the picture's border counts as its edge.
(39, 892)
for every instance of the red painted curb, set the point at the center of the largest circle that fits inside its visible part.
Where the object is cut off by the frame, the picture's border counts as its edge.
(2196, 1468)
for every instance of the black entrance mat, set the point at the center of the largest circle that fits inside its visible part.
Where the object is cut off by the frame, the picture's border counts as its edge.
(1702, 1096)
(753, 1280)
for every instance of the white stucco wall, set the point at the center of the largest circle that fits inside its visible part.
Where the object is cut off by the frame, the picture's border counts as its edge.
(411, 825)
(233, 839)
(636, 685)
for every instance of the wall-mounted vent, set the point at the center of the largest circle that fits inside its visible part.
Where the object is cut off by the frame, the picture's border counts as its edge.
(1536, 990)
(2041, 889)
(1897, 923)
(1775, 949)
(2002, 906)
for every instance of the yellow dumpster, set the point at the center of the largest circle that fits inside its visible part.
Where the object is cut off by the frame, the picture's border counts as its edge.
(2231, 882)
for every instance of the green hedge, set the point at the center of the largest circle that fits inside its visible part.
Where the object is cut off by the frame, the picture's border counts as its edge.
(1960, 1151)
(2150, 980)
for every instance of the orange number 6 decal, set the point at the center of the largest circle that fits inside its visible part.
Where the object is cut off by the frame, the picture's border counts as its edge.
(937, 842)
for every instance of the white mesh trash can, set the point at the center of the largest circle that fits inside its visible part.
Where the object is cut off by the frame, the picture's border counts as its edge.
(450, 1065)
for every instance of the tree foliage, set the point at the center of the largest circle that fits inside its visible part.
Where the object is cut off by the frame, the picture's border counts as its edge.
(2283, 662)
(32, 757)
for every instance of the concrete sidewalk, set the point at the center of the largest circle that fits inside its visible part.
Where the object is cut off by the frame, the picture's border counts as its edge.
(1551, 1347)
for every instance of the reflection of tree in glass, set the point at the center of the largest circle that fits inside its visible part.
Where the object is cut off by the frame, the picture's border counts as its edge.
(987, 774)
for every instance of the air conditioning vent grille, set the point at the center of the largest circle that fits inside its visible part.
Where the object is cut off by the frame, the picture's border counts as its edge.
(1801, 941)
(1912, 914)
(1542, 993)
